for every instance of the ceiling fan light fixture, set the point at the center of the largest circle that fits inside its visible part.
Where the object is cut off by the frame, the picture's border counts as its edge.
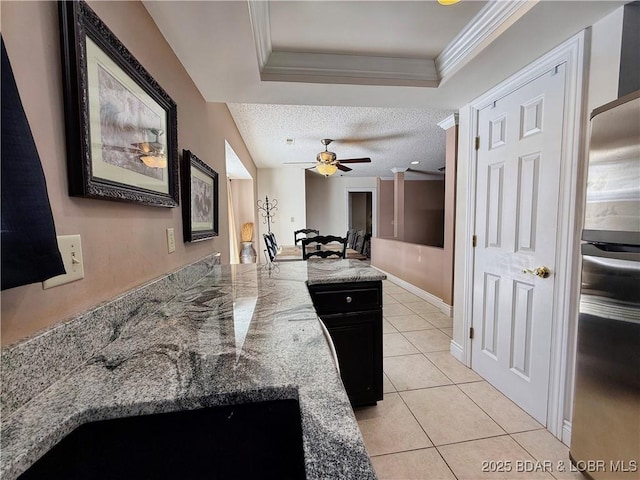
(326, 157)
(448, 2)
(326, 169)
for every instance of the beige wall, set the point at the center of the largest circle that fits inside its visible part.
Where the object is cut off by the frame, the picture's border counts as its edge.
(361, 211)
(420, 265)
(326, 200)
(385, 208)
(428, 268)
(244, 206)
(450, 211)
(287, 186)
(424, 212)
(604, 64)
(244, 211)
(124, 245)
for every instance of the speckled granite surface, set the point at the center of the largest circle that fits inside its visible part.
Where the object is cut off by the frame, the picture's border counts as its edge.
(242, 333)
(32, 365)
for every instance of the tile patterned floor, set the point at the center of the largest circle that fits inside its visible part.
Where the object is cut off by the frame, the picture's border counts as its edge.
(441, 420)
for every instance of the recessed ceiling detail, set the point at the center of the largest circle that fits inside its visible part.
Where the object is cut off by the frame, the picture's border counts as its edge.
(486, 26)
(349, 69)
(387, 70)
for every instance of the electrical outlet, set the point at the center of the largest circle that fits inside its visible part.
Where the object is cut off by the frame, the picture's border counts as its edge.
(171, 240)
(70, 247)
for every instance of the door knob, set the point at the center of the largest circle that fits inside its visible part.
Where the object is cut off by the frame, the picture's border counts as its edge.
(542, 272)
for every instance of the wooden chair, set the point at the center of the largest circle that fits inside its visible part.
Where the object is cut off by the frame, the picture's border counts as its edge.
(297, 235)
(324, 240)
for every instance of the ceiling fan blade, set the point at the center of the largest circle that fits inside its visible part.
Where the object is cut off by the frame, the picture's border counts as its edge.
(343, 168)
(297, 163)
(356, 160)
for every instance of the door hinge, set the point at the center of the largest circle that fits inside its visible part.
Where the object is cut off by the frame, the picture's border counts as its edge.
(477, 143)
(474, 241)
(471, 333)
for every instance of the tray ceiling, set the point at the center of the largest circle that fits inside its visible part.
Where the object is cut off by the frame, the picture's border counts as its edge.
(307, 69)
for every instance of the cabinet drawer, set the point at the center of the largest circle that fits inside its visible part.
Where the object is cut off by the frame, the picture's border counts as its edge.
(346, 297)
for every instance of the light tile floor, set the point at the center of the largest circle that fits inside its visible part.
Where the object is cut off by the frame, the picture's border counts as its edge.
(439, 419)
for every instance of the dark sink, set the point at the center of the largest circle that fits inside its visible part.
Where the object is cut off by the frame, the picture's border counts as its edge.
(253, 440)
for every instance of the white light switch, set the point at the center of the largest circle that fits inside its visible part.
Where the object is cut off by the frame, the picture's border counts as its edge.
(70, 247)
(171, 240)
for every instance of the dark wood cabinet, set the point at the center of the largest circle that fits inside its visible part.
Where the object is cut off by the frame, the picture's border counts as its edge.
(352, 313)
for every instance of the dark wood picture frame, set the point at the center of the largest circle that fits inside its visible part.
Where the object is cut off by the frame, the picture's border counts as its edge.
(199, 199)
(129, 108)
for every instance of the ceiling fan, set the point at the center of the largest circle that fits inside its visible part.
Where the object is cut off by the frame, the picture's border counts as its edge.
(327, 162)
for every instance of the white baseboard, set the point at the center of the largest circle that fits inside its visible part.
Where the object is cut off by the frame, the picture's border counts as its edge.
(456, 351)
(566, 433)
(432, 299)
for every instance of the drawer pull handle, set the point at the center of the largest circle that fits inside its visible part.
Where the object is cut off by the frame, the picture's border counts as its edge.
(348, 299)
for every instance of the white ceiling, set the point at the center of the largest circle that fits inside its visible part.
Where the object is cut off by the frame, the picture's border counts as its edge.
(225, 47)
(368, 28)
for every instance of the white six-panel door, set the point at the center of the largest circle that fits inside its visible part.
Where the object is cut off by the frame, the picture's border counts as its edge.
(518, 172)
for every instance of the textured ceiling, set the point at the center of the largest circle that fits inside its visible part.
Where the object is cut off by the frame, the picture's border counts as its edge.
(391, 137)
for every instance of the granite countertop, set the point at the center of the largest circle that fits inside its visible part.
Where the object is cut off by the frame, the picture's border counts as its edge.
(242, 333)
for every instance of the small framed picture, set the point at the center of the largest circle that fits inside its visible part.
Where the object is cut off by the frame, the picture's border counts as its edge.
(199, 199)
(121, 126)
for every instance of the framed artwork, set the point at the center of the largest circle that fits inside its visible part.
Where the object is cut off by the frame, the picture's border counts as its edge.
(199, 199)
(121, 126)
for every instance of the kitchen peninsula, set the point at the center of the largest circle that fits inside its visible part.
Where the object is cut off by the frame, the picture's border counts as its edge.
(239, 334)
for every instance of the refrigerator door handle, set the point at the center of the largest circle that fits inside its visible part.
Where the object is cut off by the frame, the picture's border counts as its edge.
(631, 254)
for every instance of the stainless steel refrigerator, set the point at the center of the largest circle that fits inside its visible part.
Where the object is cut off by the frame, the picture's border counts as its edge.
(605, 432)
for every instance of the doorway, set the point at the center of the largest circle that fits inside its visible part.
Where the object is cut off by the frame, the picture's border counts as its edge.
(361, 210)
(240, 203)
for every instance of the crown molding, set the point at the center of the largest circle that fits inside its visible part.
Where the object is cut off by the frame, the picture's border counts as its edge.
(281, 66)
(449, 122)
(261, 28)
(490, 22)
(351, 69)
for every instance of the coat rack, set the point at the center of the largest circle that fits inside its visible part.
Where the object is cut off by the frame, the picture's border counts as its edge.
(268, 209)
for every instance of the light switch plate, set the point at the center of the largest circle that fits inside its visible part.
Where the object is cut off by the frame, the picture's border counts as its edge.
(70, 247)
(171, 240)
